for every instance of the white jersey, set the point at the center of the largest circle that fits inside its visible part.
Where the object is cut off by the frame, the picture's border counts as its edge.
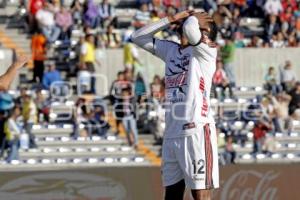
(188, 75)
(188, 79)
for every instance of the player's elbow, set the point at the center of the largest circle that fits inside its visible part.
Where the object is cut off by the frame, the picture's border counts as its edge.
(134, 38)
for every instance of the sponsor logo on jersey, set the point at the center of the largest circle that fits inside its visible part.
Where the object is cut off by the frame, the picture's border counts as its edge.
(177, 80)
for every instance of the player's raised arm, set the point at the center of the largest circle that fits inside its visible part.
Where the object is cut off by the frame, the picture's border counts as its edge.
(7, 78)
(144, 37)
(191, 30)
(200, 28)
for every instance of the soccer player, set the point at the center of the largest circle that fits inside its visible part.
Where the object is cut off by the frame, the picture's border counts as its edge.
(7, 78)
(189, 155)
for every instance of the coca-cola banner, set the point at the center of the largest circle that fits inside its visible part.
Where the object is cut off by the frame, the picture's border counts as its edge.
(238, 182)
(259, 182)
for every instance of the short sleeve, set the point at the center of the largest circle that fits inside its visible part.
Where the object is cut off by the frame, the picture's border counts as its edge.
(162, 47)
(83, 49)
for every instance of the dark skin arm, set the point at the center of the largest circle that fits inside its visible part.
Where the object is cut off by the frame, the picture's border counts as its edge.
(7, 78)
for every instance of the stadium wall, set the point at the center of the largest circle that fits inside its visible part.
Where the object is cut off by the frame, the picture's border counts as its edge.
(238, 182)
(250, 64)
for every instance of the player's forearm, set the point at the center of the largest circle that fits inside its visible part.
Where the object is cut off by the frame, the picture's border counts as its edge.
(143, 37)
(7, 78)
(191, 29)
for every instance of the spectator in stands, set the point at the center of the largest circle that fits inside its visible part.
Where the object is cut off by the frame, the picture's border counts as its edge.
(277, 41)
(140, 87)
(119, 84)
(130, 55)
(235, 20)
(286, 16)
(156, 88)
(272, 27)
(220, 80)
(23, 92)
(126, 110)
(259, 131)
(227, 53)
(13, 131)
(270, 113)
(107, 14)
(288, 77)
(174, 3)
(129, 75)
(90, 14)
(292, 41)
(281, 106)
(64, 21)
(273, 7)
(294, 106)
(38, 49)
(155, 18)
(210, 6)
(34, 7)
(101, 119)
(77, 117)
(51, 76)
(116, 95)
(222, 17)
(43, 107)
(92, 125)
(289, 3)
(95, 123)
(140, 2)
(111, 38)
(88, 58)
(142, 16)
(230, 153)
(84, 79)
(29, 114)
(77, 11)
(46, 21)
(255, 42)
(271, 81)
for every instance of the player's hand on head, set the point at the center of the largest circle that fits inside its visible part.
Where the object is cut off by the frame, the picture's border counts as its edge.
(22, 60)
(203, 19)
(178, 17)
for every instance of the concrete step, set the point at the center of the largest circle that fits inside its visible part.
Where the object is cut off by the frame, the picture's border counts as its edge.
(52, 132)
(78, 143)
(73, 154)
(61, 163)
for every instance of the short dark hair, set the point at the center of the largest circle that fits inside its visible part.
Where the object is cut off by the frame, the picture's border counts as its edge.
(212, 35)
(120, 73)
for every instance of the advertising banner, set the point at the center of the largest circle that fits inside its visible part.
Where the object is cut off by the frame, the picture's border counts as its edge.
(238, 182)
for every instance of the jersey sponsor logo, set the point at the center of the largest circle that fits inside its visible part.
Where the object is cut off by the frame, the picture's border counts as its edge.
(177, 80)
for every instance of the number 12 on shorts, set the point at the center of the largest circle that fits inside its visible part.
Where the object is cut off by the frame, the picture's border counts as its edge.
(198, 166)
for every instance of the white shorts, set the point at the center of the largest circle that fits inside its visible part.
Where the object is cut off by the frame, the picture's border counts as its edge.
(193, 158)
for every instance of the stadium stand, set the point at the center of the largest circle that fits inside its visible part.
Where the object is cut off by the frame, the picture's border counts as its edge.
(241, 138)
